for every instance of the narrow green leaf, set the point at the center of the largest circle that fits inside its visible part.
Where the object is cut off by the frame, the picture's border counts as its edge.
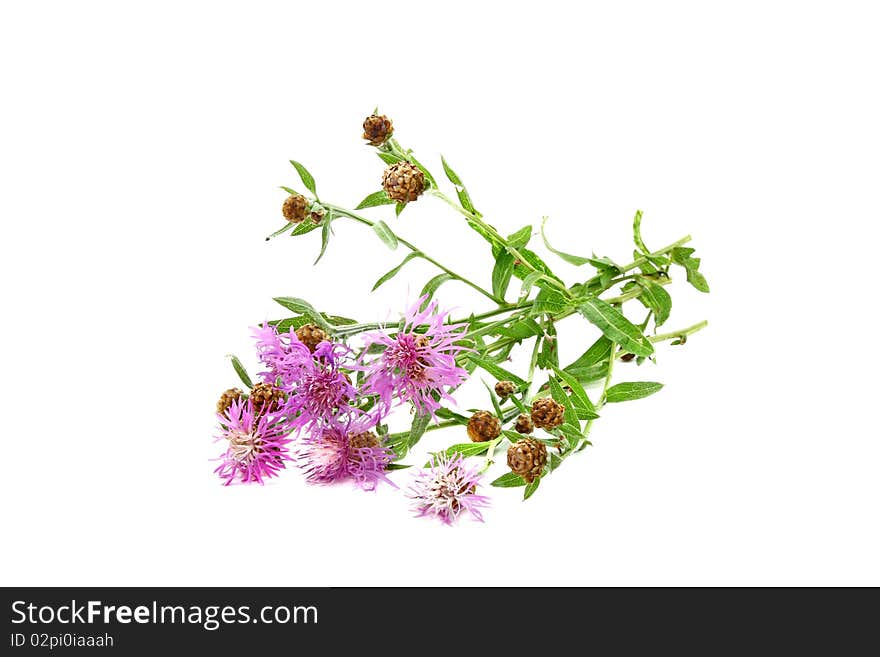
(286, 227)
(528, 283)
(520, 238)
(417, 430)
(306, 227)
(432, 285)
(375, 199)
(524, 328)
(398, 208)
(508, 480)
(446, 414)
(497, 371)
(305, 176)
(555, 461)
(302, 307)
(681, 255)
(599, 352)
(393, 272)
(656, 299)
(632, 390)
(578, 394)
(465, 449)
(550, 300)
(501, 274)
(494, 398)
(616, 327)
(568, 257)
(531, 488)
(637, 233)
(388, 158)
(557, 391)
(325, 240)
(397, 466)
(385, 234)
(242, 373)
(549, 355)
(453, 177)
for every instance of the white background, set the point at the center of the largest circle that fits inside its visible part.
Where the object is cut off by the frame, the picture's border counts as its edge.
(141, 147)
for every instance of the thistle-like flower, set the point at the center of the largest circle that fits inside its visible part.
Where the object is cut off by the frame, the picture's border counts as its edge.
(414, 366)
(255, 444)
(283, 353)
(343, 451)
(446, 490)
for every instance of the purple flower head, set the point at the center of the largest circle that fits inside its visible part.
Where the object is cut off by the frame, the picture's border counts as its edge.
(282, 353)
(256, 445)
(344, 451)
(447, 490)
(416, 366)
(322, 390)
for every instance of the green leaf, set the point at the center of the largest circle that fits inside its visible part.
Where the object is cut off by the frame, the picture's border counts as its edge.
(599, 352)
(389, 158)
(416, 431)
(375, 199)
(557, 391)
(528, 283)
(398, 208)
(637, 233)
(616, 327)
(508, 480)
(501, 274)
(431, 287)
(497, 371)
(657, 300)
(696, 279)
(446, 414)
(307, 227)
(465, 449)
(632, 390)
(305, 176)
(427, 173)
(555, 461)
(531, 488)
(681, 255)
(385, 234)
(393, 272)
(397, 466)
(550, 300)
(325, 240)
(494, 398)
(524, 328)
(303, 307)
(578, 394)
(568, 257)
(549, 355)
(286, 227)
(239, 369)
(520, 238)
(463, 197)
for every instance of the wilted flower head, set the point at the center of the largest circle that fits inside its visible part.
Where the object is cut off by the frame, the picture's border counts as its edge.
(447, 489)
(344, 451)
(255, 445)
(416, 366)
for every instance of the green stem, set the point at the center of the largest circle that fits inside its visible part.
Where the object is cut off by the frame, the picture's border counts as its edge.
(476, 219)
(422, 254)
(679, 334)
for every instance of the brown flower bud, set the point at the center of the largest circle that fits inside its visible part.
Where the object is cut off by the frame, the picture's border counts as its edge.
(627, 357)
(265, 398)
(295, 208)
(505, 388)
(547, 413)
(377, 129)
(226, 399)
(317, 216)
(527, 458)
(311, 336)
(364, 439)
(403, 182)
(524, 424)
(483, 426)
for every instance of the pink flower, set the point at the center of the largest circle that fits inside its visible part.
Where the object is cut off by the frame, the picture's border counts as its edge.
(255, 445)
(418, 362)
(344, 451)
(447, 490)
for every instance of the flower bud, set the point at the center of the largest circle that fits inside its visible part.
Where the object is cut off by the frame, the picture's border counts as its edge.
(311, 336)
(524, 424)
(265, 398)
(403, 182)
(483, 426)
(226, 399)
(547, 413)
(527, 458)
(295, 208)
(505, 388)
(377, 129)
